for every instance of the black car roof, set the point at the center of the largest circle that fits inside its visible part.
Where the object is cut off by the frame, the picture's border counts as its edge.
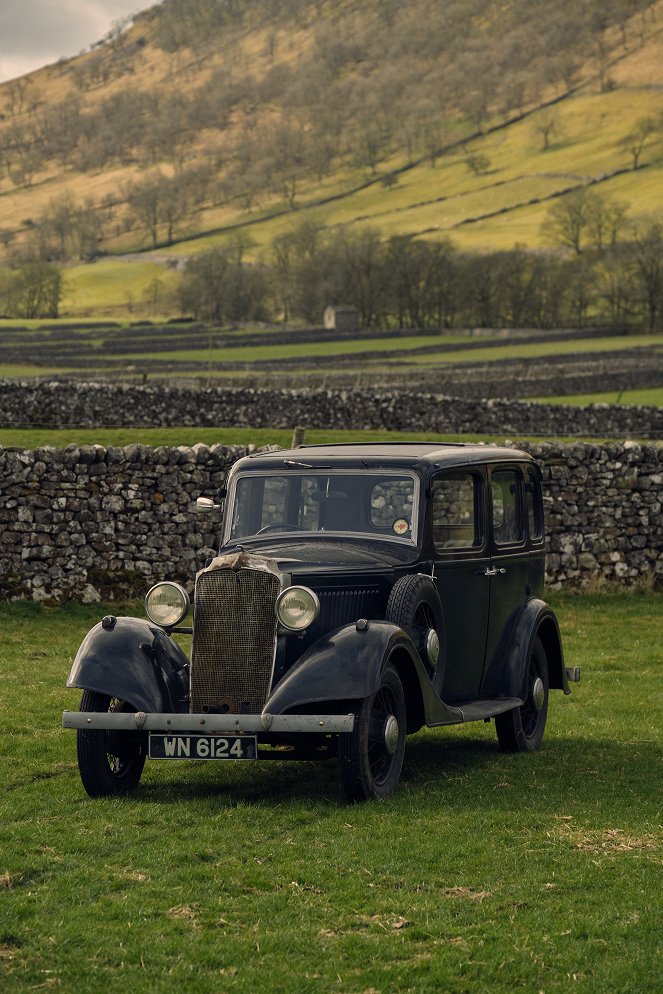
(399, 454)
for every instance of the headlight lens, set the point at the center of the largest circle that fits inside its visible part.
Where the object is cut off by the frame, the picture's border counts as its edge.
(297, 608)
(166, 604)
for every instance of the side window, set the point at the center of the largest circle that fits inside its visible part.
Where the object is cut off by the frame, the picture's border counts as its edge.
(508, 523)
(534, 506)
(457, 512)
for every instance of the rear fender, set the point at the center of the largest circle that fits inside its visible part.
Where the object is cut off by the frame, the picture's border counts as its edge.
(134, 661)
(535, 618)
(347, 665)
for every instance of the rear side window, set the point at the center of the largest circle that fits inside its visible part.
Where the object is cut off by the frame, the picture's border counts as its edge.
(457, 519)
(508, 520)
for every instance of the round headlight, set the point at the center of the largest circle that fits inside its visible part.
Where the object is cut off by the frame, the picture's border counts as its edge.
(166, 604)
(297, 608)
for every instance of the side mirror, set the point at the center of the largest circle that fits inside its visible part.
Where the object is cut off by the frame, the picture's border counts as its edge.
(205, 505)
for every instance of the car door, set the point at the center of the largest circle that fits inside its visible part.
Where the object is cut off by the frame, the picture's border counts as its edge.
(462, 558)
(509, 570)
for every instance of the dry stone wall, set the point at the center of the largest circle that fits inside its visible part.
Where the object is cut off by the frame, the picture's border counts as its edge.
(93, 404)
(91, 522)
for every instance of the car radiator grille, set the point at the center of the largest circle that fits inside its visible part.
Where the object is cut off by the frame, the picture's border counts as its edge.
(234, 640)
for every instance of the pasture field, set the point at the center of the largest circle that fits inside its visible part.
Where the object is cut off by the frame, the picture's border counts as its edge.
(647, 398)
(412, 346)
(484, 872)
(34, 438)
(134, 352)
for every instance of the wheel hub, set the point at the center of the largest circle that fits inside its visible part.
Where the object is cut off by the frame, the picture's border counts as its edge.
(391, 734)
(432, 646)
(538, 693)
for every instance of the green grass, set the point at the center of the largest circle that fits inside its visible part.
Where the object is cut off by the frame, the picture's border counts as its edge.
(338, 349)
(652, 397)
(484, 872)
(537, 350)
(34, 438)
(112, 286)
(295, 349)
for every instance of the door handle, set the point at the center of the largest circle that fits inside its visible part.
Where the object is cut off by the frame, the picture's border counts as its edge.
(492, 571)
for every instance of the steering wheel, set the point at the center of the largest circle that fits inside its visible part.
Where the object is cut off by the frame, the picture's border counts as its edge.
(285, 526)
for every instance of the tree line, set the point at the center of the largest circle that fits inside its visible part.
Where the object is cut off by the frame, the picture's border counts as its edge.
(410, 282)
(603, 268)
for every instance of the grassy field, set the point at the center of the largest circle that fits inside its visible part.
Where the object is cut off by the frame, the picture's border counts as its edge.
(186, 351)
(339, 349)
(646, 398)
(484, 872)
(34, 438)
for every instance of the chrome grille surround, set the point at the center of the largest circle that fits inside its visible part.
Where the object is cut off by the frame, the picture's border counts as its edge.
(234, 635)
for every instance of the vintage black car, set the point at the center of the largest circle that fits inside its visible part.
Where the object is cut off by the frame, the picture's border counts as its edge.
(359, 593)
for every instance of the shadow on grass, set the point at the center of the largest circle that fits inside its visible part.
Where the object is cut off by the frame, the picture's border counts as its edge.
(441, 771)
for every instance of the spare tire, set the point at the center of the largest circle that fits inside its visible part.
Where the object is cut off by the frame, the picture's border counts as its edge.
(414, 605)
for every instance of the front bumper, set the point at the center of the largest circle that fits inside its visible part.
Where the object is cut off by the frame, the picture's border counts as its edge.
(212, 724)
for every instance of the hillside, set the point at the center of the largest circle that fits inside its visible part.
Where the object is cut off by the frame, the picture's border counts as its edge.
(204, 119)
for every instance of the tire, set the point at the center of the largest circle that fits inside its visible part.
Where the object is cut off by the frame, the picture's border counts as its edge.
(521, 730)
(414, 605)
(109, 762)
(372, 754)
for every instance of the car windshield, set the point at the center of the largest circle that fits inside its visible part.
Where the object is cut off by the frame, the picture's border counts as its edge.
(380, 504)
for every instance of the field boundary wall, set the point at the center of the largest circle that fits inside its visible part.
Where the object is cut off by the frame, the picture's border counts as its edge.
(92, 522)
(59, 405)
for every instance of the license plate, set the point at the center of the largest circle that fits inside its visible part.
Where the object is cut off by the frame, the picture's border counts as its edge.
(202, 746)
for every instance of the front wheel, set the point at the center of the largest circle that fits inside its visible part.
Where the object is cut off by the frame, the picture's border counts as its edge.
(372, 754)
(109, 762)
(521, 730)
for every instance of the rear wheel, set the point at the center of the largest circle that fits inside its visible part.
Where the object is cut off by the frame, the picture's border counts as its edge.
(109, 762)
(372, 754)
(521, 730)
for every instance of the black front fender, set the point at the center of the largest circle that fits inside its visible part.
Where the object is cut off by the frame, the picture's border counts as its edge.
(135, 662)
(347, 665)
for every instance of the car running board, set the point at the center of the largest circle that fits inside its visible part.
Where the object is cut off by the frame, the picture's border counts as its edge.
(488, 708)
(438, 713)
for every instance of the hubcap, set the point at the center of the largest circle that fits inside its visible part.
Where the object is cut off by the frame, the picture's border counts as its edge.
(433, 646)
(538, 693)
(391, 734)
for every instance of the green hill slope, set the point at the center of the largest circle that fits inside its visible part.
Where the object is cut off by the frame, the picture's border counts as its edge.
(203, 120)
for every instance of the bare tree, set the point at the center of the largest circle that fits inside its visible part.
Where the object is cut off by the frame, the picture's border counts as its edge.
(636, 140)
(146, 200)
(606, 219)
(567, 221)
(648, 267)
(546, 125)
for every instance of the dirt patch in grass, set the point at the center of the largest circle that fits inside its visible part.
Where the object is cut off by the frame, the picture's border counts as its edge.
(607, 841)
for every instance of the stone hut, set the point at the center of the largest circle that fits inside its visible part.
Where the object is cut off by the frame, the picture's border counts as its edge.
(341, 318)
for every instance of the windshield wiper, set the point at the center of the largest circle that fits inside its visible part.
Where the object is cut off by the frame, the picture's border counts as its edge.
(304, 465)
